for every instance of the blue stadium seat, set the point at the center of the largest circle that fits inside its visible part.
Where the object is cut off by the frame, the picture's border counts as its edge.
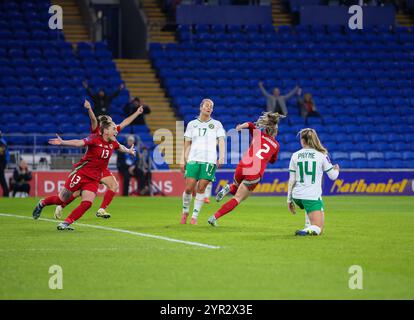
(391, 155)
(358, 156)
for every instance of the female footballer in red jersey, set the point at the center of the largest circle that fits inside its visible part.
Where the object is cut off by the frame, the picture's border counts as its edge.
(107, 178)
(87, 173)
(263, 149)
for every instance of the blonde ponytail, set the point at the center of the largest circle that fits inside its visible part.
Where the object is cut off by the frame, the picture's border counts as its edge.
(269, 122)
(311, 139)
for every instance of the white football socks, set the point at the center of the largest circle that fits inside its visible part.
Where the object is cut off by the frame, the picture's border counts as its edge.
(198, 203)
(307, 221)
(207, 193)
(313, 228)
(186, 202)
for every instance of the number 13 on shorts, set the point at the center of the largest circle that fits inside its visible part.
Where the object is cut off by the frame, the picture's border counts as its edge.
(75, 180)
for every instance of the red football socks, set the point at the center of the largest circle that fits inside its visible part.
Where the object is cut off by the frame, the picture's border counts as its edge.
(109, 195)
(233, 189)
(69, 201)
(51, 201)
(226, 208)
(78, 211)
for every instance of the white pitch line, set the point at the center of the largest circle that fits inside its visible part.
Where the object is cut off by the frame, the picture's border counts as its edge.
(147, 235)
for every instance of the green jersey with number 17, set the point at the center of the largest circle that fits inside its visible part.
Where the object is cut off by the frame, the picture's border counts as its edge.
(308, 166)
(203, 136)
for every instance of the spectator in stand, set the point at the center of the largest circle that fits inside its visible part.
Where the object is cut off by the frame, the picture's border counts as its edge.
(21, 178)
(102, 101)
(276, 102)
(127, 166)
(307, 106)
(131, 107)
(144, 168)
(4, 159)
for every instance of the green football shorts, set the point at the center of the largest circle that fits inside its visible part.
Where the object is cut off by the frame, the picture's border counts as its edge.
(309, 205)
(200, 170)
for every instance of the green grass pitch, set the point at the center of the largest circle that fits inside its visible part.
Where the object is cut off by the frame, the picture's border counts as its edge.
(259, 257)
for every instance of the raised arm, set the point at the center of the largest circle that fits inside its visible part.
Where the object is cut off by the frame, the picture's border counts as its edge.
(88, 89)
(292, 93)
(117, 92)
(94, 121)
(58, 141)
(263, 90)
(132, 117)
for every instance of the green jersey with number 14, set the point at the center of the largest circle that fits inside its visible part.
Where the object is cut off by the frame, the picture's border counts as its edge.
(308, 166)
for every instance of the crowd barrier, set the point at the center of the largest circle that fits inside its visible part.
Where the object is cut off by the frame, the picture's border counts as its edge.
(275, 183)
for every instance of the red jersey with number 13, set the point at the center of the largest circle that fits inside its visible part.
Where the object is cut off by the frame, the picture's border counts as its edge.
(263, 149)
(97, 156)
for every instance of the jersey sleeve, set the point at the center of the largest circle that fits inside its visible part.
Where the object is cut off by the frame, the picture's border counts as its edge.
(251, 128)
(118, 128)
(188, 132)
(94, 131)
(90, 141)
(221, 133)
(326, 164)
(115, 144)
(275, 154)
(292, 164)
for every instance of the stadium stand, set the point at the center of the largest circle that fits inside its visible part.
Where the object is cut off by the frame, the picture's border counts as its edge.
(361, 82)
(41, 84)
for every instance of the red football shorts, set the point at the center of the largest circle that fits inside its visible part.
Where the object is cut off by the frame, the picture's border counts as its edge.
(250, 181)
(79, 181)
(106, 173)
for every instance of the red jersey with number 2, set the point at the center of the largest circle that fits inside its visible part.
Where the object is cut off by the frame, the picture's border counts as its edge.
(96, 158)
(263, 149)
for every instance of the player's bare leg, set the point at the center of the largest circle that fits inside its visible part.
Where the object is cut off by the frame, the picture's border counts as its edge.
(59, 208)
(87, 198)
(199, 199)
(190, 186)
(113, 188)
(315, 224)
(243, 192)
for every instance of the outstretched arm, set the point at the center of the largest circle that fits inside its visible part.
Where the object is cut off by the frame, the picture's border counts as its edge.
(58, 141)
(132, 117)
(292, 92)
(94, 121)
(124, 149)
(242, 126)
(263, 90)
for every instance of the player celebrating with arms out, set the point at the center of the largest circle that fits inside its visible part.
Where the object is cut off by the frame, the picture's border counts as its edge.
(87, 173)
(249, 172)
(305, 181)
(199, 157)
(107, 178)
